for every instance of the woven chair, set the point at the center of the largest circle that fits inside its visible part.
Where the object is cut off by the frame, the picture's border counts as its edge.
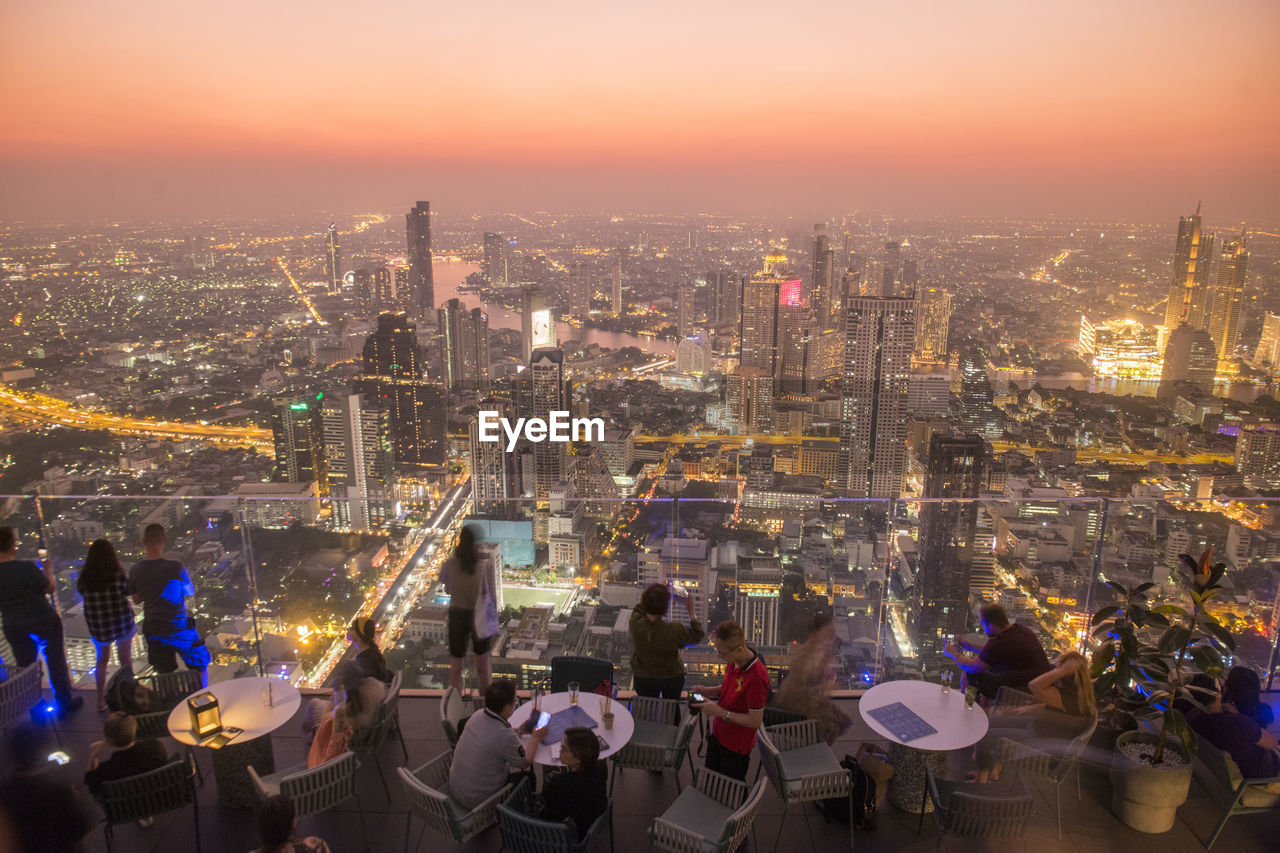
(392, 701)
(367, 740)
(1052, 760)
(590, 673)
(524, 834)
(453, 711)
(156, 725)
(19, 693)
(713, 816)
(157, 791)
(172, 687)
(997, 811)
(317, 789)
(427, 789)
(656, 744)
(802, 768)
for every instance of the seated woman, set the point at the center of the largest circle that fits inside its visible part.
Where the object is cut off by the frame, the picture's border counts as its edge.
(356, 701)
(1065, 708)
(369, 657)
(579, 795)
(1242, 693)
(1254, 749)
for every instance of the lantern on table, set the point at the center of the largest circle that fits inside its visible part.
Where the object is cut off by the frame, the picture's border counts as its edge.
(206, 719)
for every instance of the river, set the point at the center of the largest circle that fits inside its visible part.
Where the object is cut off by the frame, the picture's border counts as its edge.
(449, 276)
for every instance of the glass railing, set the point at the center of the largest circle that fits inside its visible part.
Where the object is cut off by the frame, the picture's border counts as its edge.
(276, 585)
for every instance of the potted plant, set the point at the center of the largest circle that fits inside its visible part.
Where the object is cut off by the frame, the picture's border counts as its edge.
(1141, 671)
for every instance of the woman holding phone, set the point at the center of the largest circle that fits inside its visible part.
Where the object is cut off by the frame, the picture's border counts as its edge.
(655, 659)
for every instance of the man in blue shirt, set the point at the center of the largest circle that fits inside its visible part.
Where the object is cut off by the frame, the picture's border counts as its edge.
(30, 622)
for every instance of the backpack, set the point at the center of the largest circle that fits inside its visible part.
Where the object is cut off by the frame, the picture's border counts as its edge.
(125, 694)
(862, 798)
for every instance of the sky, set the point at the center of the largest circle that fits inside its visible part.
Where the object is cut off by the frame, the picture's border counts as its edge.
(1128, 111)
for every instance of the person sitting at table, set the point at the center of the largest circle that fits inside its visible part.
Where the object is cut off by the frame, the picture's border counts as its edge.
(489, 748)
(368, 657)
(581, 794)
(1242, 693)
(120, 754)
(739, 703)
(278, 827)
(1010, 658)
(1065, 707)
(1254, 749)
(356, 703)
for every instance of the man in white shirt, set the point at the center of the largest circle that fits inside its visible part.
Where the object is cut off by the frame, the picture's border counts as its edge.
(489, 749)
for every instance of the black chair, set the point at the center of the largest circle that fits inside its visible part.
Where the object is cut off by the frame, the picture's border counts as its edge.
(138, 797)
(172, 687)
(590, 673)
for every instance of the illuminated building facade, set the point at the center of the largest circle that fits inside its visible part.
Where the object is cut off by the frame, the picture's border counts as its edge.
(418, 229)
(976, 398)
(359, 456)
(755, 606)
(1268, 352)
(580, 291)
(758, 327)
(1124, 349)
(493, 479)
(1189, 356)
(822, 277)
(1258, 456)
(497, 259)
(332, 260)
(934, 315)
(1227, 296)
(537, 322)
(749, 395)
(685, 311)
(299, 440)
(615, 286)
(393, 370)
(1189, 288)
(464, 346)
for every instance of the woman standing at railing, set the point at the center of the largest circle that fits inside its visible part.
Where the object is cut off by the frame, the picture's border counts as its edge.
(104, 586)
(462, 579)
(655, 660)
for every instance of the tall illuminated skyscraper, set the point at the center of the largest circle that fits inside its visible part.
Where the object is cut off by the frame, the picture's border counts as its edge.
(1189, 287)
(383, 289)
(879, 339)
(615, 290)
(821, 277)
(418, 228)
(976, 399)
(934, 312)
(1227, 296)
(684, 311)
(392, 350)
(548, 392)
(1189, 356)
(332, 260)
(360, 459)
(758, 329)
(464, 346)
(798, 363)
(496, 260)
(1268, 351)
(537, 321)
(493, 479)
(299, 440)
(723, 291)
(392, 380)
(580, 291)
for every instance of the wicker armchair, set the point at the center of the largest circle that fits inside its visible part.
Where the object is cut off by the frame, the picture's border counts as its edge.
(367, 740)
(427, 790)
(315, 789)
(998, 811)
(157, 791)
(172, 687)
(21, 691)
(524, 834)
(156, 725)
(452, 712)
(713, 816)
(656, 744)
(392, 702)
(802, 767)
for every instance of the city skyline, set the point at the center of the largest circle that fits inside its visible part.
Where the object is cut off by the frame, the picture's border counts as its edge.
(988, 110)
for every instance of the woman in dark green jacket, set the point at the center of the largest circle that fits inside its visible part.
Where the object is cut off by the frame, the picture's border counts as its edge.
(656, 663)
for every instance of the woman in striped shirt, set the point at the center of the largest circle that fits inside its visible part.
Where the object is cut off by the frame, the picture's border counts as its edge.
(104, 586)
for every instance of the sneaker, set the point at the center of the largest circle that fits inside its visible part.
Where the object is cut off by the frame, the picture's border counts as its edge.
(73, 704)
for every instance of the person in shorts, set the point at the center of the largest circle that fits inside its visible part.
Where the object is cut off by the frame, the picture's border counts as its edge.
(161, 586)
(463, 581)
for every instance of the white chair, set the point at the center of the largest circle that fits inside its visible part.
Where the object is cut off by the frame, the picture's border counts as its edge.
(711, 817)
(656, 744)
(427, 789)
(392, 703)
(802, 768)
(452, 712)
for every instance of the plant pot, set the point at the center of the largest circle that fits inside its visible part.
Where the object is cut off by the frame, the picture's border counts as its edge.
(1146, 798)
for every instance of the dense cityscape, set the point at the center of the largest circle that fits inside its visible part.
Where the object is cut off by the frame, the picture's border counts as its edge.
(893, 420)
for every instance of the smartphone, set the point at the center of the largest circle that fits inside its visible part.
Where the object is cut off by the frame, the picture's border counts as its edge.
(223, 737)
(544, 717)
(697, 697)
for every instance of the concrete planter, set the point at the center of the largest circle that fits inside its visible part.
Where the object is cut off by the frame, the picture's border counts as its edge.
(1144, 797)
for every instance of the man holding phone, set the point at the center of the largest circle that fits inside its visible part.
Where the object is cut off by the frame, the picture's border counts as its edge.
(489, 748)
(738, 711)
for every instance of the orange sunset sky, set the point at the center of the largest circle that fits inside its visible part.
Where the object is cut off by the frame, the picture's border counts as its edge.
(1108, 109)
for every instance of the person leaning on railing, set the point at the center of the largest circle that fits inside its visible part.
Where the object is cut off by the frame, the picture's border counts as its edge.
(739, 706)
(656, 663)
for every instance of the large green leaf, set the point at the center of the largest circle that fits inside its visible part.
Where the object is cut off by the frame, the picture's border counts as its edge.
(1119, 590)
(1174, 639)
(1170, 610)
(1208, 660)
(1105, 613)
(1103, 657)
(1222, 634)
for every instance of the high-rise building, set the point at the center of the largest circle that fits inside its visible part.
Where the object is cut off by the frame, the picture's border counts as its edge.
(724, 287)
(392, 350)
(879, 339)
(798, 366)
(493, 478)
(332, 260)
(359, 457)
(392, 380)
(383, 290)
(684, 311)
(418, 226)
(616, 305)
(362, 283)
(934, 313)
(1189, 286)
(497, 262)
(580, 291)
(548, 392)
(948, 521)
(755, 608)
(1227, 296)
(758, 329)
(891, 268)
(748, 394)
(685, 560)
(299, 440)
(537, 321)
(976, 401)
(1268, 351)
(1258, 456)
(1189, 356)
(464, 346)
(822, 277)
(693, 357)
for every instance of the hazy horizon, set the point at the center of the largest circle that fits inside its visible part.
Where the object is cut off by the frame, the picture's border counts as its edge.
(1133, 113)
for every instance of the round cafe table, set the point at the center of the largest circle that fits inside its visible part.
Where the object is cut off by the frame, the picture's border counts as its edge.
(957, 726)
(548, 754)
(241, 704)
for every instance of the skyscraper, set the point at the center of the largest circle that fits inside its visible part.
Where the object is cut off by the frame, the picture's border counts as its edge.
(821, 277)
(758, 328)
(934, 311)
(1268, 351)
(418, 227)
(537, 321)
(299, 441)
(1226, 297)
(749, 397)
(1189, 356)
(359, 456)
(879, 339)
(332, 260)
(493, 480)
(1189, 287)
(392, 380)
(464, 346)
(891, 268)
(496, 260)
(548, 393)
(580, 291)
(798, 365)
(724, 289)
(392, 350)
(383, 289)
(615, 290)
(948, 522)
(976, 399)
(684, 311)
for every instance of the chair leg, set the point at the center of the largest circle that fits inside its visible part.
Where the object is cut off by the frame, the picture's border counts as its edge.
(924, 795)
(782, 822)
(613, 774)
(611, 833)
(191, 754)
(1057, 807)
(195, 819)
(109, 834)
(403, 749)
(1217, 830)
(408, 828)
(363, 829)
(377, 763)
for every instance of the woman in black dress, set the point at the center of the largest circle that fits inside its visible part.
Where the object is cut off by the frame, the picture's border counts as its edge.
(104, 586)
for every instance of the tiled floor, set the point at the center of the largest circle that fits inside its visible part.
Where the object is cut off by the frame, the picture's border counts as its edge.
(640, 796)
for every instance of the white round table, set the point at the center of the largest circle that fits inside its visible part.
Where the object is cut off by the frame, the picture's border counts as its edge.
(241, 705)
(957, 726)
(549, 753)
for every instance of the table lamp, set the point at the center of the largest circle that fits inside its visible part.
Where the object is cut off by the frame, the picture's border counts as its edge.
(206, 719)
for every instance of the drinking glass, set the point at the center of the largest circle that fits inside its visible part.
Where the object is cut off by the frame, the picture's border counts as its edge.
(573, 693)
(946, 681)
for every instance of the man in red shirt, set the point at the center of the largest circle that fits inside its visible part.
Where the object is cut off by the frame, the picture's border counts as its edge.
(739, 709)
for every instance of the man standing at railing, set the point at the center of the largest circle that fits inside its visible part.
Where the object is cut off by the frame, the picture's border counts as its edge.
(30, 620)
(162, 586)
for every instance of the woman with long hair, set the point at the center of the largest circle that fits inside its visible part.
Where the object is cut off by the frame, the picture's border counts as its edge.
(581, 793)
(355, 704)
(368, 656)
(104, 586)
(463, 581)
